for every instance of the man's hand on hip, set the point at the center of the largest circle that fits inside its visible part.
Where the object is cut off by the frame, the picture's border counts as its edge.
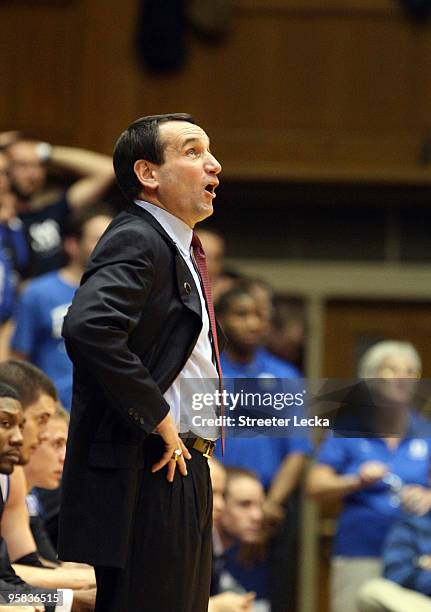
(173, 444)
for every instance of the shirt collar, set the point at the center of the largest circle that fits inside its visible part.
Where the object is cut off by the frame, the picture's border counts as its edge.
(176, 229)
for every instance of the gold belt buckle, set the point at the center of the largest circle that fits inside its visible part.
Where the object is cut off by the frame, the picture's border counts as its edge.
(209, 449)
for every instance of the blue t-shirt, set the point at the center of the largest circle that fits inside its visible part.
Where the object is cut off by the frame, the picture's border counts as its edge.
(7, 287)
(262, 454)
(251, 577)
(13, 242)
(368, 514)
(13, 260)
(39, 318)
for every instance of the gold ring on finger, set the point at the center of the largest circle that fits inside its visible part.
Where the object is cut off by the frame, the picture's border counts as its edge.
(176, 454)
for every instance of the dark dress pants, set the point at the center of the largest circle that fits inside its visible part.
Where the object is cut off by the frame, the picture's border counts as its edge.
(169, 562)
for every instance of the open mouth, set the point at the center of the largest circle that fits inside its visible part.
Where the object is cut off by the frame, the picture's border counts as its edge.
(210, 188)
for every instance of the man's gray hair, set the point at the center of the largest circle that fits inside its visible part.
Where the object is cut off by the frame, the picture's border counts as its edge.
(372, 359)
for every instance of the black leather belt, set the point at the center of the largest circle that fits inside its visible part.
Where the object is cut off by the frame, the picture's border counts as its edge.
(206, 447)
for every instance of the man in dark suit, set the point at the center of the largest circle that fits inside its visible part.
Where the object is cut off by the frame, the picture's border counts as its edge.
(141, 324)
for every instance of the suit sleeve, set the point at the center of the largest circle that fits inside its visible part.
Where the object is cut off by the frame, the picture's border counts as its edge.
(105, 310)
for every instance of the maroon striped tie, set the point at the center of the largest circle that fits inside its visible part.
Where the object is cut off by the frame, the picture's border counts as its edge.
(200, 259)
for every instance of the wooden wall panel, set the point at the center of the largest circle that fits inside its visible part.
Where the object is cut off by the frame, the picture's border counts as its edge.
(40, 68)
(375, 7)
(352, 325)
(298, 88)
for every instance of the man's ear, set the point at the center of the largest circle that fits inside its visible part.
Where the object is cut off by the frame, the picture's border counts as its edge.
(145, 172)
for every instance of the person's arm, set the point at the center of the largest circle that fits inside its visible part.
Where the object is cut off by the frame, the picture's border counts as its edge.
(287, 477)
(55, 578)
(323, 482)
(6, 332)
(9, 137)
(95, 170)
(15, 526)
(231, 602)
(16, 531)
(283, 484)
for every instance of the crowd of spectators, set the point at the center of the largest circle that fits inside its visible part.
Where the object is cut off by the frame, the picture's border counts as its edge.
(382, 547)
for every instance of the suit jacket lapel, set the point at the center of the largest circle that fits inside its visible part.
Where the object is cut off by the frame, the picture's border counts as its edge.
(186, 285)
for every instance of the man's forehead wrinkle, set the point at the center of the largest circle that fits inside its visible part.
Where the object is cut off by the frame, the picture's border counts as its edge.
(175, 136)
(182, 139)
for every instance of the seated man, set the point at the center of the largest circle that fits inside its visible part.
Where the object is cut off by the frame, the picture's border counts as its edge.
(239, 530)
(38, 396)
(227, 601)
(44, 470)
(406, 568)
(11, 442)
(43, 303)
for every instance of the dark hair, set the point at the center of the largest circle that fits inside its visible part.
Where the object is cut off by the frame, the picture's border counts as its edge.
(8, 391)
(287, 310)
(250, 283)
(140, 141)
(28, 381)
(225, 300)
(74, 227)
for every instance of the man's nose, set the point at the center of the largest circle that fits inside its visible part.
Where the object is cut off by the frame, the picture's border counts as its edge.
(212, 164)
(254, 322)
(257, 514)
(16, 438)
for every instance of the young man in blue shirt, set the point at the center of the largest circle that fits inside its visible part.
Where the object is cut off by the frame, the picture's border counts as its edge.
(278, 461)
(245, 358)
(240, 525)
(44, 303)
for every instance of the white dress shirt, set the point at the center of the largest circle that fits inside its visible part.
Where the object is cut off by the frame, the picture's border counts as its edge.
(199, 366)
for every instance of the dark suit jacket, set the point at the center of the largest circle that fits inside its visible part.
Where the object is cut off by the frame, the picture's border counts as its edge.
(130, 329)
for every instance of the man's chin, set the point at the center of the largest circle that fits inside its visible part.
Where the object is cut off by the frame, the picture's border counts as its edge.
(7, 468)
(246, 347)
(205, 211)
